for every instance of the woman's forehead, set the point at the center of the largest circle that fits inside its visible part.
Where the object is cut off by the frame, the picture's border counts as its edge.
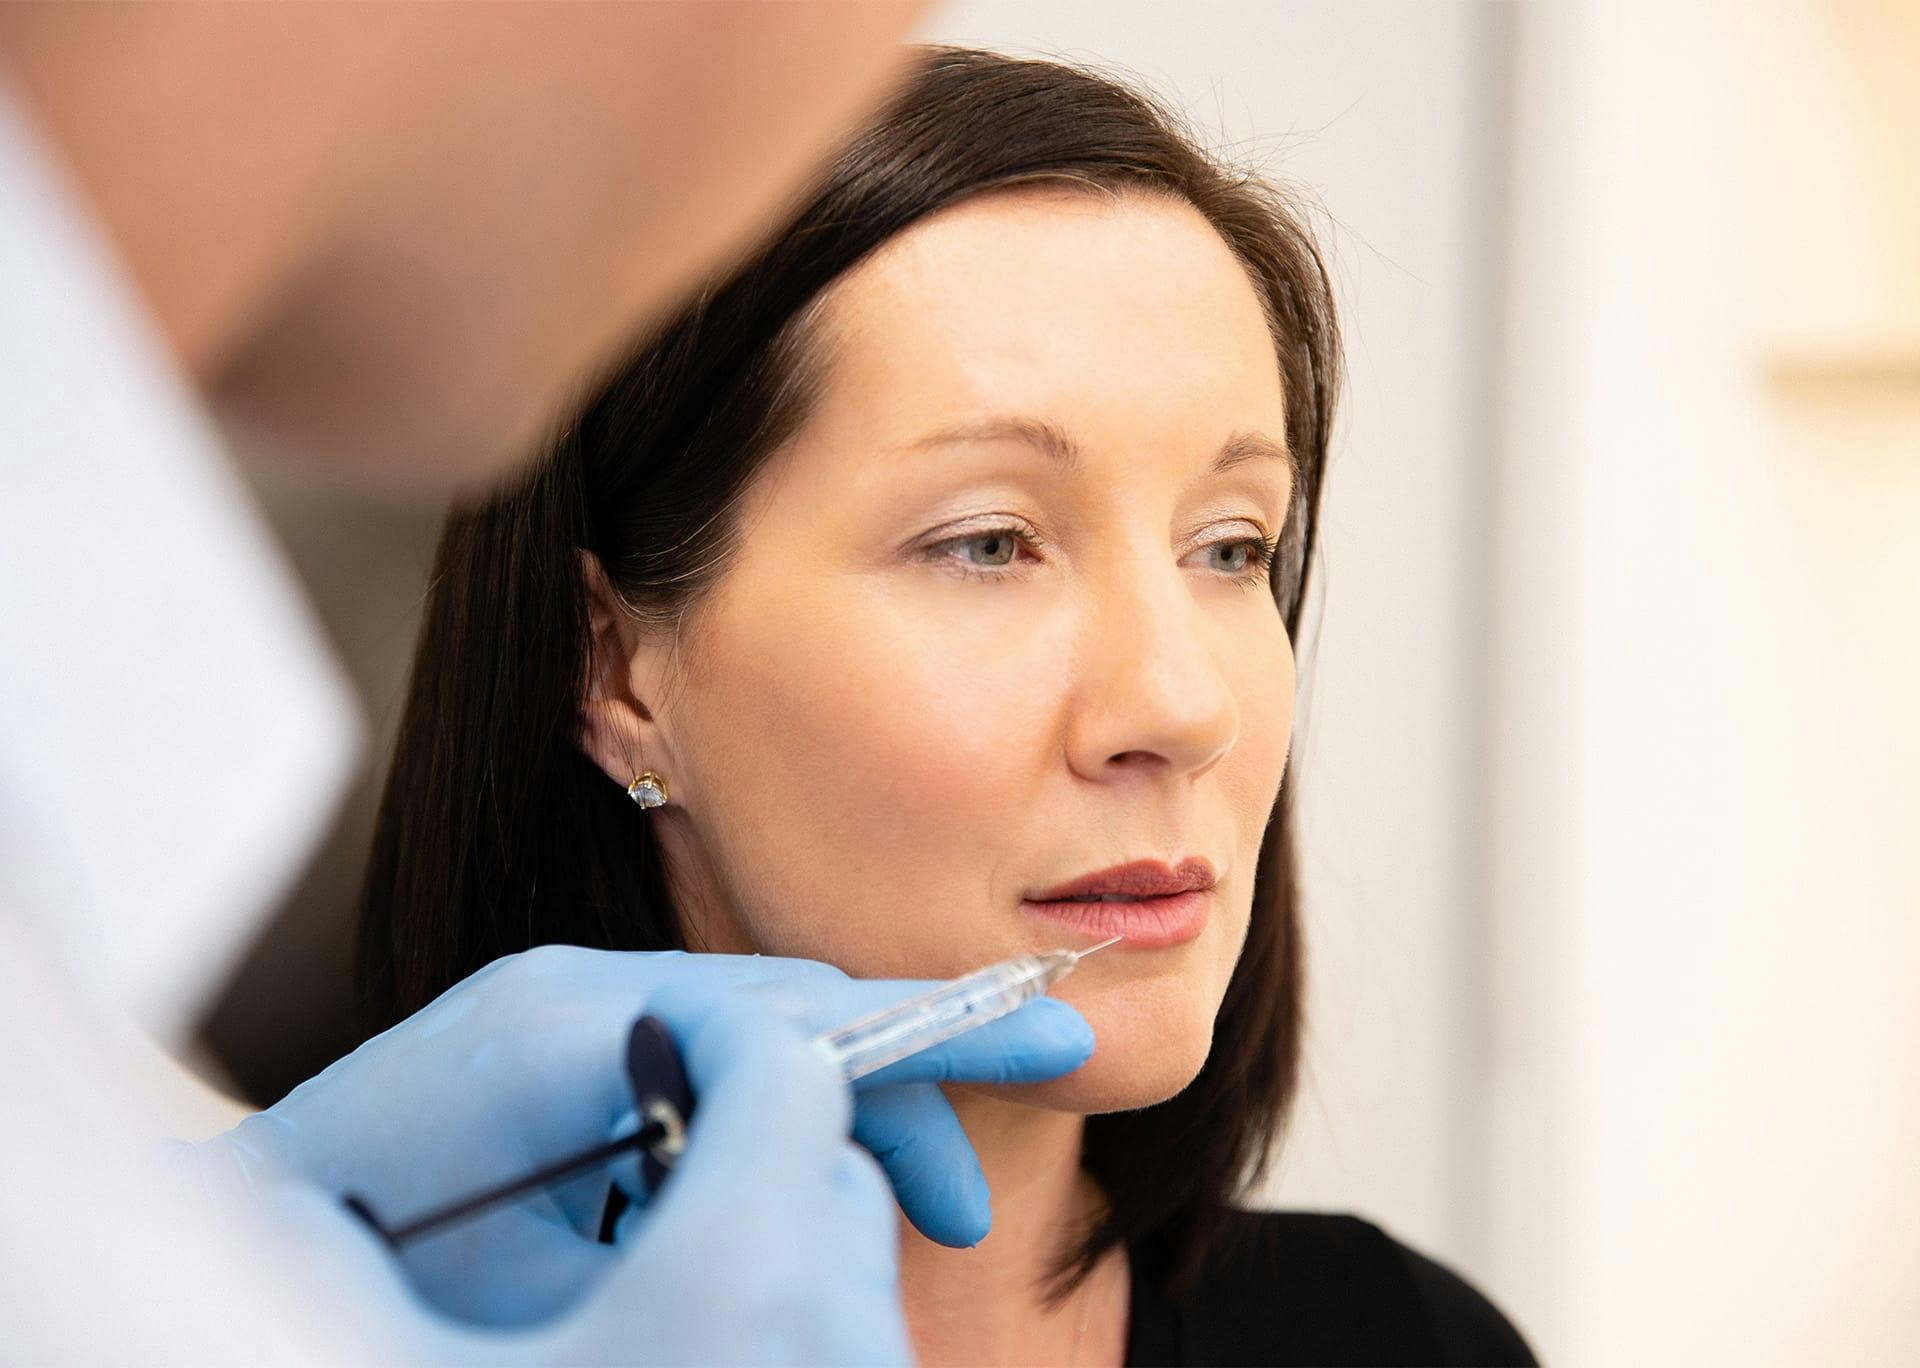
(1049, 301)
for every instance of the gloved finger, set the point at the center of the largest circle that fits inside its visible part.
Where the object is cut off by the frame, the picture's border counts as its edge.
(805, 1271)
(516, 1265)
(929, 1162)
(860, 1206)
(866, 1252)
(1043, 1039)
(750, 1196)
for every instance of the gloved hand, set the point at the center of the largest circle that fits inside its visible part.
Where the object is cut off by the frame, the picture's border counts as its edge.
(754, 1252)
(523, 1063)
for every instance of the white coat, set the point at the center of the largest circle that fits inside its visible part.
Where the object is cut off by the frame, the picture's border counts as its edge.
(173, 737)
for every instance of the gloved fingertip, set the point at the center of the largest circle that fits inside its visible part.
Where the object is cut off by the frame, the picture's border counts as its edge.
(974, 1217)
(949, 1202)
(981, 1224)
(961, 1228)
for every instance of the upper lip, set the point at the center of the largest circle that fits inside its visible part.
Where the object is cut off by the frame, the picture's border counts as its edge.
(1140, 879)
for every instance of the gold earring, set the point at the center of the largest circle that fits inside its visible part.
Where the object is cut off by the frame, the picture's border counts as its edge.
(648, 789)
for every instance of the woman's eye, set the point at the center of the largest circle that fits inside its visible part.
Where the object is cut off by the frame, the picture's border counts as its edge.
(988, 554)
(1239, 556)
(997, 548)
(1244, 558)
(1247, 558)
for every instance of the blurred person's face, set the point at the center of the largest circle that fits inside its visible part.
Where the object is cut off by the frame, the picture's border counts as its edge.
(404, 234)
(939, 680)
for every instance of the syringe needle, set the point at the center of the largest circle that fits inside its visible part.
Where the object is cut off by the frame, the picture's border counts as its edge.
(1079, 955)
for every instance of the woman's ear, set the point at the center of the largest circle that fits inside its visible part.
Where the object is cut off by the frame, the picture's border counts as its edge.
(616, 729)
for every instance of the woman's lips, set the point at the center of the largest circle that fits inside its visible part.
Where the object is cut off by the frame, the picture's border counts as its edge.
(1147, 923)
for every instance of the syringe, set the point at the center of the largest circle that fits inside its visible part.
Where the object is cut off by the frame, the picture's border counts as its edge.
(939, 1014)
(665, 1103)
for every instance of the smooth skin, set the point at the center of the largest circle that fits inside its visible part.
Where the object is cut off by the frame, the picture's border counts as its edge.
(940, 676)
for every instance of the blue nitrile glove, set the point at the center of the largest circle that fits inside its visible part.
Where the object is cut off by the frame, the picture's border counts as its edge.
(755, 1252)
(523, 1063)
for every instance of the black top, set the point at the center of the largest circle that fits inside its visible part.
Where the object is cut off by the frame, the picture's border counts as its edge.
(1311, 1288)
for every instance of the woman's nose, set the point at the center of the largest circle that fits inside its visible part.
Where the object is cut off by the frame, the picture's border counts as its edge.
(1147, 691)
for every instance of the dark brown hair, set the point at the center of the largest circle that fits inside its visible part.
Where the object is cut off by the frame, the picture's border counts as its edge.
(496, 834)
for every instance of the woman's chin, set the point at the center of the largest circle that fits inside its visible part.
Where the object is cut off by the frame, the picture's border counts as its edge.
(1140, 1057)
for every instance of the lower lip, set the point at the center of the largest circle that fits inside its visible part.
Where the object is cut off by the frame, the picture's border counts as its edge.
(1148, 923)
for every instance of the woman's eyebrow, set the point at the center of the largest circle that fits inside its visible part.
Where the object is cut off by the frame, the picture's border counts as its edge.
(1053, 442)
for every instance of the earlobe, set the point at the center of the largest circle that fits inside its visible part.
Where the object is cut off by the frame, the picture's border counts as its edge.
(603, 735)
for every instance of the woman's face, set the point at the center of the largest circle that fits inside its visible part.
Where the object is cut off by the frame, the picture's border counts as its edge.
(997, 622)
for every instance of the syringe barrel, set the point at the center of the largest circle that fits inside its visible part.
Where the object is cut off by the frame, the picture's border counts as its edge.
(942, 1013)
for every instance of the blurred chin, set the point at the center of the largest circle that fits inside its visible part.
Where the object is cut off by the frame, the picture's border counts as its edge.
(425, 447)
(343, 385)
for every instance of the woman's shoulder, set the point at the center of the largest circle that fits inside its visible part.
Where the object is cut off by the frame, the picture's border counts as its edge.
(1327, 1288)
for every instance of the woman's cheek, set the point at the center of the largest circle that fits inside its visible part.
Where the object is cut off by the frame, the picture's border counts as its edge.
(873, 761)
(957, 701)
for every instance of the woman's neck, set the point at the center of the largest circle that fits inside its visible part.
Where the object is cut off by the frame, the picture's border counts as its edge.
(983, 1305)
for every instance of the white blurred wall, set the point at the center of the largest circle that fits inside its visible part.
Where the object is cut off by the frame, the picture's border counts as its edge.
(1708, 646)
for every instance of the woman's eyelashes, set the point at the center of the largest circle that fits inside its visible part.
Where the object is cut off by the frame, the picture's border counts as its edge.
(1249, 559)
